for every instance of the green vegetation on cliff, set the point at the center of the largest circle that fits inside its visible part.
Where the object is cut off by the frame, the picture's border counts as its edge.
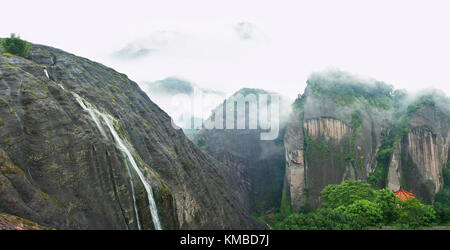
(15, 46)
(345, 89)
(406, 107)
(404, 110)
(379, 177)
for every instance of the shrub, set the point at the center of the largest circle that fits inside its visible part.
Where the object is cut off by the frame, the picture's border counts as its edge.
(201, 142)
(321, 219)
(16, 46)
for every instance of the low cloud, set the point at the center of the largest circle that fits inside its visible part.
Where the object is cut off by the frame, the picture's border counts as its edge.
(208, 40)
(246, 31)
(155, 42)
(132, 52)
(177, 97)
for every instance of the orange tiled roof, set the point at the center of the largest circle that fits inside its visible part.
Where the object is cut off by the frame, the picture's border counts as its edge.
(404, 195)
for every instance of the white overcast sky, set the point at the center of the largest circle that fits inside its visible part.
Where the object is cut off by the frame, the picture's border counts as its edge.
(275, 47)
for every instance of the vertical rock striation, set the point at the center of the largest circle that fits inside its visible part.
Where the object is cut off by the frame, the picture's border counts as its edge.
(343, 127)
(422, 153)
(326, 127)
(331, 136)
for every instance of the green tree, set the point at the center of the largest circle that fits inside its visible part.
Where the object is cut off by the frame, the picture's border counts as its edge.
(367, 213)
(442, 205)
(16, 46)
(389, 203)
(346, 193)
(357, 205)
(442, 200)
(413, 214)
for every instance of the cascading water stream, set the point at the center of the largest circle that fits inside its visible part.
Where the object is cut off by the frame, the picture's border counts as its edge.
(46, 73)
(97, 116)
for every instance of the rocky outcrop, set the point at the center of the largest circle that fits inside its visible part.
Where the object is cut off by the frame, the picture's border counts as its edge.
(420, 156)
(63, 169)
(294, 184)
(328, 141)
(423, 149)
(331, 152)
(343, 127)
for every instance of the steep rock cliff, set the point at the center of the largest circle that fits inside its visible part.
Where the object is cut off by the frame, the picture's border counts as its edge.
(333, 134)
(345, 127)
(294, 183)
(63, 168)
(422, 153)
(257, 165)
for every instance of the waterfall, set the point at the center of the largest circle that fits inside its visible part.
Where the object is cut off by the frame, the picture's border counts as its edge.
(97, 117)
(46, 73)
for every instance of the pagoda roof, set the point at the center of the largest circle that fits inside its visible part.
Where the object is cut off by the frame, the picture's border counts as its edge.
(404, 195)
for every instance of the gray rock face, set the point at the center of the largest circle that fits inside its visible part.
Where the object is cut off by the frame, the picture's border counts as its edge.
(295, 182)
(419, 158)
(58, 170)
(327, 143)
(340, 128)
(257, 165)
(395, 170)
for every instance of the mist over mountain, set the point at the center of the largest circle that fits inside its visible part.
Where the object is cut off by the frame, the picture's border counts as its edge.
(187, 103)
(257, 165)
(84, 147)
(345, 127)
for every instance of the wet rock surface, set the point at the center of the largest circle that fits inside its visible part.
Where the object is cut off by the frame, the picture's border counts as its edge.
(59, 171)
